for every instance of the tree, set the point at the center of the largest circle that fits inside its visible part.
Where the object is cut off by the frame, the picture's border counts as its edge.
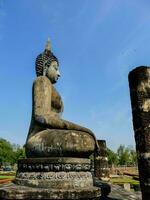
(126, 155)
(19, 153)
(112, 157)
(123, 155)
(6, 151)
(10, 153)
(133, 156)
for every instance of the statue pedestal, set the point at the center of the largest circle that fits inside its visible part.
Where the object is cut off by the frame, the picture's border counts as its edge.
(52, 178)
(12, 191)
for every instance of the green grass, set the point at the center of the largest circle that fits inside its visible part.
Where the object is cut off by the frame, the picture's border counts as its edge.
(124, 179)
(6, 177)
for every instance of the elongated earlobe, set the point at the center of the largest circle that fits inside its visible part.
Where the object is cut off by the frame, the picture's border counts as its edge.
(45, 68)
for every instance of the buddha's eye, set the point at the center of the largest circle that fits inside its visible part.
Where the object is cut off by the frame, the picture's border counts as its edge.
(55, 67)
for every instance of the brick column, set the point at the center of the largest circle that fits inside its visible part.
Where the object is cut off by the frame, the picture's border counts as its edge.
(139, 83)
(101, 162)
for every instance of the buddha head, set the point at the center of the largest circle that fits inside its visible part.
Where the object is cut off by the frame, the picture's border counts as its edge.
(47, 64)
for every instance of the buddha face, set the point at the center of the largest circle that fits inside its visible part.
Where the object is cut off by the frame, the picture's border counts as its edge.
(53, 72)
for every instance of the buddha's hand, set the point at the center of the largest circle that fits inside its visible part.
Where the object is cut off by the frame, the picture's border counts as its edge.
(54, 121)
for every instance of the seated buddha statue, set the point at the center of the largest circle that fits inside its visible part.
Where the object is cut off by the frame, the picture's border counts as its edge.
(50, 135)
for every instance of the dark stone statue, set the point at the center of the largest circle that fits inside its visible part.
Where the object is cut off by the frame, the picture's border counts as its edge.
(139, 82)
(49, 134)
(57, 164)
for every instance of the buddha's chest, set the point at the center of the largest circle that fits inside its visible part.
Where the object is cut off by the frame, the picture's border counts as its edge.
(56, 101)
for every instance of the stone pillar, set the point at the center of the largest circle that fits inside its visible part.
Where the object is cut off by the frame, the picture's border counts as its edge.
(101, 162)
(139, 83)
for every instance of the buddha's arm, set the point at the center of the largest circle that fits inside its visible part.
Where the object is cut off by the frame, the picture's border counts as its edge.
(43, 115)
(51, 121)
(73, 126)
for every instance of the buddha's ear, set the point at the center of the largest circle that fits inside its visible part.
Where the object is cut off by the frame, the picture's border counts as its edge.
(45, 68)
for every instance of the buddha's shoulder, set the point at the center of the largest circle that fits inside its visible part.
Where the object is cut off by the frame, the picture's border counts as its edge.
(42, 80)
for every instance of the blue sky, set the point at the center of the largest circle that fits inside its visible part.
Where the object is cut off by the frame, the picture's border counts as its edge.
(97, 43)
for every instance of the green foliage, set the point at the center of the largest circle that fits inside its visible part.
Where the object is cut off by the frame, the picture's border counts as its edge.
(112, 157)
(6, 151)
(10, 153)
(133, 157)
(123, 156)
(127, 155)
(19, 153)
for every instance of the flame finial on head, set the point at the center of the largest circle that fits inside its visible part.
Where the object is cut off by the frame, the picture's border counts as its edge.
(48, 45)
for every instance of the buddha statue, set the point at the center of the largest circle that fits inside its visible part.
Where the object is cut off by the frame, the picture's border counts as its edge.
(50, 135)
(57, 164)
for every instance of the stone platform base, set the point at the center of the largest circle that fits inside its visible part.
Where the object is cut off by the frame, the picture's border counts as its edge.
(12, 191)
(55, 173)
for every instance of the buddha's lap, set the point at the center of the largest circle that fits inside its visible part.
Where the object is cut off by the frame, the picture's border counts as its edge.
(55, 142)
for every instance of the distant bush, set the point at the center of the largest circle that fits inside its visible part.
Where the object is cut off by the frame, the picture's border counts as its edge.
(10, 153)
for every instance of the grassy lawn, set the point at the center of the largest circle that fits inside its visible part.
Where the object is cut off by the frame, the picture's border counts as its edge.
(6, 177)
(124, 179)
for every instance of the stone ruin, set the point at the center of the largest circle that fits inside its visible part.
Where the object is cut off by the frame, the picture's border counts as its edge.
(101, 162)
(139, 82)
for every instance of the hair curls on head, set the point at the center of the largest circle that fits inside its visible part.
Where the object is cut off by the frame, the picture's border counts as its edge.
(44, 60)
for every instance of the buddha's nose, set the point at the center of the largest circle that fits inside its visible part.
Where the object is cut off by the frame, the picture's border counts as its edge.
(58, 73)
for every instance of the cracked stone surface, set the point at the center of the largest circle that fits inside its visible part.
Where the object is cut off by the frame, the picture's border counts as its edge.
(139, 82)
(117, 193)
